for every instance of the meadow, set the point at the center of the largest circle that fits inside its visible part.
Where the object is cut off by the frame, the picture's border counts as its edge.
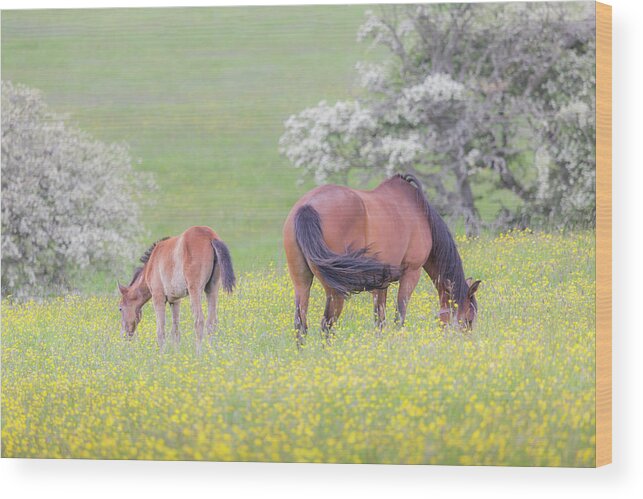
(519, 390)
(200, 97)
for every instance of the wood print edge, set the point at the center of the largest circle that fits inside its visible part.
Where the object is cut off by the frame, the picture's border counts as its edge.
(603, 234)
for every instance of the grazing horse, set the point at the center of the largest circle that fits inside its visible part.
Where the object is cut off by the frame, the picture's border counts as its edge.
(354, 240)
(175, 267)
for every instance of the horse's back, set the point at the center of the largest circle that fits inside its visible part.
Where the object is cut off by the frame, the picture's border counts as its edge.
(387, 220)
(398, 228)
(343, 216)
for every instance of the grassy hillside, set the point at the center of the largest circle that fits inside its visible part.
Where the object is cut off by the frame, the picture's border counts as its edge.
(200, 95)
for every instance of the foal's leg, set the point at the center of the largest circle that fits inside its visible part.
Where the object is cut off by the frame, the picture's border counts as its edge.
(379, 307)
(197, 313)
(212, 296)
(158, 301)
(176, 309)
(334, 306)
(407, 284)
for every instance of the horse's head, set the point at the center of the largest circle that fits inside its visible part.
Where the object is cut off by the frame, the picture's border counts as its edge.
(130, 308)
(466, 313)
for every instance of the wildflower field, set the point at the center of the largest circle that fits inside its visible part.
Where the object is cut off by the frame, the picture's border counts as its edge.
(519, 390)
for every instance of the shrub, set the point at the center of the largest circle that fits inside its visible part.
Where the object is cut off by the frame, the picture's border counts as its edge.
(69, 202)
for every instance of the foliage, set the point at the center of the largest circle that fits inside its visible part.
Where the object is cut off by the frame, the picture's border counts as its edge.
(519, 390)
(68, 201)
(470, 94)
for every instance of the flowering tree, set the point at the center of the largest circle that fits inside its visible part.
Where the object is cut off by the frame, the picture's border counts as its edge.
(495, 95)
(68, 201)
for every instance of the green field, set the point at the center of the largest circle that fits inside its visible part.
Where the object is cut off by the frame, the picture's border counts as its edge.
(200, 96)
(518, 391)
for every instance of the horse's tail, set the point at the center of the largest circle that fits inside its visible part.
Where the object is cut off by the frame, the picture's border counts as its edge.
(347, 273)
(225, 261)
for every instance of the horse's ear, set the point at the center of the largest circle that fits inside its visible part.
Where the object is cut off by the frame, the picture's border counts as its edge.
(473, 288)
(448, 284)
(121, 288)
(469, 281)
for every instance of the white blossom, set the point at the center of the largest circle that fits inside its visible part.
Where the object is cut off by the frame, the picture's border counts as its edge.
(497, 93)
(69, 202)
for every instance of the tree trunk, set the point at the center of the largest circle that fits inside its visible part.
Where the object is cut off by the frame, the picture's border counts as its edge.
(467, 203)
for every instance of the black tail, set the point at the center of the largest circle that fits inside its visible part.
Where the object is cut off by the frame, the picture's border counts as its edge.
(348, 273)
(444, 253)
(224, 260)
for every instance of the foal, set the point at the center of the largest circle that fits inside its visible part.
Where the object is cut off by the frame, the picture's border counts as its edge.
(175, 267)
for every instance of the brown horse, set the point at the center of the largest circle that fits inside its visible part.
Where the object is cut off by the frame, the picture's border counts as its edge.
(354, 241)
(175, 267)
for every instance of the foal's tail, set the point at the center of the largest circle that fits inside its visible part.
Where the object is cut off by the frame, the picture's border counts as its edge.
(225, 261)
(347, 273)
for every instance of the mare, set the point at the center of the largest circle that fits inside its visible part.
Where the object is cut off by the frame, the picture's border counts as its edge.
(354, 240)
(175, 267)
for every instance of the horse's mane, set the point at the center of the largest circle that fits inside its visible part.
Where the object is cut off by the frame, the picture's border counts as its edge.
(144, 259)
(444, 253)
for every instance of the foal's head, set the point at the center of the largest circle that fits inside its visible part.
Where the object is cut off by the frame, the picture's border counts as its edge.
(132, 301)
(135, 295)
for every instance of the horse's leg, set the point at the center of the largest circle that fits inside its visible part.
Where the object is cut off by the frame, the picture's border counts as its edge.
(302, 295)
(407, 284)
(445, 306)
(334, 306)
(197, 313)
(176, 310)
(379, 307)
(212, 295)
(302, 279)
(158, 301)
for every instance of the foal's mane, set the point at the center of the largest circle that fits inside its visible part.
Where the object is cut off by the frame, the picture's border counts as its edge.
(444, 253)
(144, 259)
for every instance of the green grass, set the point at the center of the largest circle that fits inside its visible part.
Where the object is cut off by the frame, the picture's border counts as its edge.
(519, 390)
(200, 95)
